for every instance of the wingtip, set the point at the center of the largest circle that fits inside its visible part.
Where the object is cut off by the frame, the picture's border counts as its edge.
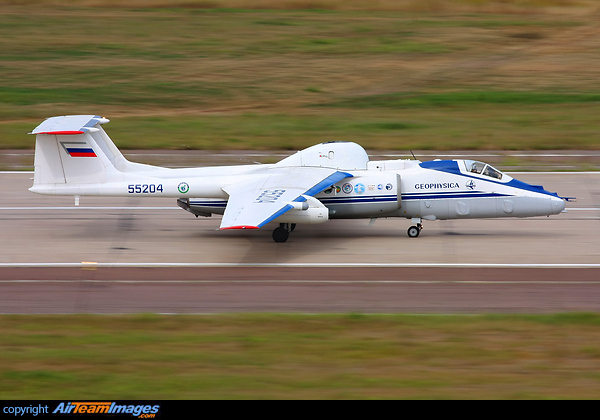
(60, 132)
(239, 227)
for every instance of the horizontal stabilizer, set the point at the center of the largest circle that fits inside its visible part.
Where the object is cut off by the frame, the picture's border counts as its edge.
(69, 125)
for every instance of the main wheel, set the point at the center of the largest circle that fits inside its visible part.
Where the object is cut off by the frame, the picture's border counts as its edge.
(280, 234)
(413, 232)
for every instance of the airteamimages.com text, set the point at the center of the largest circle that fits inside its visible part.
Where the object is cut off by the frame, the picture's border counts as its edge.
(57, 408)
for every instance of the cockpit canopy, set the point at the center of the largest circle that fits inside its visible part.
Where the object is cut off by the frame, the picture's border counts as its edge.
(482, 168)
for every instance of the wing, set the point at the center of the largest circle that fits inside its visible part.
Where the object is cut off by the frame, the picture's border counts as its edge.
(254, 203)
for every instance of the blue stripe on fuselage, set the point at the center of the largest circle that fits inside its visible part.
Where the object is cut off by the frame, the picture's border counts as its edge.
(208, 203)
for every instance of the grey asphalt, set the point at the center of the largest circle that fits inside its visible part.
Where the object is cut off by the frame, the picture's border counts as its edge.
(299, 290)
(40, 229)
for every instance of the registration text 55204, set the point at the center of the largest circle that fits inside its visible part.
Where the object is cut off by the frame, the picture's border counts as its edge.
(144, 188)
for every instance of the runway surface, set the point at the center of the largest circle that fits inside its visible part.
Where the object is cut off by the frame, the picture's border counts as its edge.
(305, 290)
(461, 266)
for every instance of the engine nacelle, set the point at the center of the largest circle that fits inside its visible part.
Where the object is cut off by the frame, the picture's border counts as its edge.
(310, 216)
(311, 211)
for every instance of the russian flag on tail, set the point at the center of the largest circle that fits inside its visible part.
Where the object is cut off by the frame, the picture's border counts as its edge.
(78, 149)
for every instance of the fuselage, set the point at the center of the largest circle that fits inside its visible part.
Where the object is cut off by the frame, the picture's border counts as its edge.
(435, 190)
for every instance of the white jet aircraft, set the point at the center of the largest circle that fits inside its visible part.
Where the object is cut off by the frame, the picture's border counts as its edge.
(334, 180)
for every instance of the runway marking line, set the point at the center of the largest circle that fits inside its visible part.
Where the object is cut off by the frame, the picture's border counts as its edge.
(303, 281)
(304, 265)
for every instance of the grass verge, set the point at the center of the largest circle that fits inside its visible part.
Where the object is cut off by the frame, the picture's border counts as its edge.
(387, 78)
(350, 356)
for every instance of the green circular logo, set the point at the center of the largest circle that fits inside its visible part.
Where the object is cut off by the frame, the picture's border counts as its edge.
(183, 187)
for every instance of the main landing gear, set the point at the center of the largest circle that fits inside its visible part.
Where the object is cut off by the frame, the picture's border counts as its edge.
(282, 233)
(414, 231)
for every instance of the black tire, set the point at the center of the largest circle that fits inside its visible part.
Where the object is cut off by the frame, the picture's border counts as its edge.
(413, 232)
(280, 234)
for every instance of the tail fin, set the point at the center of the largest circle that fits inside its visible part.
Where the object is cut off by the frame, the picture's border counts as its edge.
(75, 149)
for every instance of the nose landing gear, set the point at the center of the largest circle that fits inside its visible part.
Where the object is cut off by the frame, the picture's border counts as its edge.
(414, 231)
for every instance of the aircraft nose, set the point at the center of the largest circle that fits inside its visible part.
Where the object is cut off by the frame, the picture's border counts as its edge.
(558, 205)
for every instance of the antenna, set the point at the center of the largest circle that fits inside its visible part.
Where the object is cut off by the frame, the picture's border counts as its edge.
(413, 155)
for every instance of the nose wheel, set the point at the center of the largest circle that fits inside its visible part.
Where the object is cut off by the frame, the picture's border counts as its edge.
(414, 231)
(282, 233)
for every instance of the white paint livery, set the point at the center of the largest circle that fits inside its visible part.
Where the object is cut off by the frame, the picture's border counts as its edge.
(74, 156)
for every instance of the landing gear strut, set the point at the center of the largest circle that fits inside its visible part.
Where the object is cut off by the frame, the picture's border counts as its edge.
(414, 231)
(282, 233)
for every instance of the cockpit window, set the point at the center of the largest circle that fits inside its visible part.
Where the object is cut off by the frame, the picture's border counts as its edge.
(483, 169)
(475, 167)
(489, 171)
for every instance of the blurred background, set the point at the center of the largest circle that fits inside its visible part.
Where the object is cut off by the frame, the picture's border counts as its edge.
(260, 74)
(182, 80)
